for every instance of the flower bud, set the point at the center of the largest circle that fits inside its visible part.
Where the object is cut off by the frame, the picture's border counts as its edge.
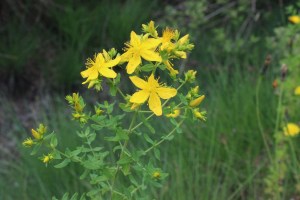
(35, 134)
(98, 111)
(156, 175)
(190, 76)
(183, 40)
(150, 28)
(76, 115)
(199, 115)
(196, 102)
(46, 159)
(42, 129)
(195, 90)
(28, 142)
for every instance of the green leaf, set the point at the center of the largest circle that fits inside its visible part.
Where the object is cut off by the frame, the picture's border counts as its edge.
(170, 137)
(97, 127)
(98, 179)
(93, 193)
(126, 169)
(147, 68)
(84, 174)
(91, 138)
(74, 197)
(120, 135)
(157, 153)
(35, 149)
(147, 124)
(53, 142)
(162, 67)
(65, 197)
(133, 181)
(183, 99)
(91, 165)
(148, 139)
(124, 160)
(178, 130)
(82, 197)
(76, 152)
(63, 163)
(112, 89)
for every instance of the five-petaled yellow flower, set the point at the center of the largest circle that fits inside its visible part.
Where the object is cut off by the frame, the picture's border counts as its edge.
(153, 91)
(297, 90)
(101, 64)
(291, 129)
(295, 19)
(138, 48)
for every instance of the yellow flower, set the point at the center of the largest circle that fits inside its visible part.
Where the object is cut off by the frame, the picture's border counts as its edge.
(196, 102)
(297, 90)
(28, 142)
(139, 48)
(101, 64)
(35, 134)
(153, 91)
(174, 114)
(291, 129)
(46, 159)
(295, 19)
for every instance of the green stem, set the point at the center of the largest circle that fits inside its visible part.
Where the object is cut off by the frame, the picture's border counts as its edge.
(122, 152)
(164, 138)
(118, 89)
(260, 126)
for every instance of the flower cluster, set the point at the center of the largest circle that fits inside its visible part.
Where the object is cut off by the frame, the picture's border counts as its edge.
(143, 53)
(148, 60)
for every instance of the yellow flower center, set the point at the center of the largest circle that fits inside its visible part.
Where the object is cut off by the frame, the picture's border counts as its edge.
(168, 35)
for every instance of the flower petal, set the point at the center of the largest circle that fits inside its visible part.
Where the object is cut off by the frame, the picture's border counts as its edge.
(138, 82)
(155, 104)
(90, 73)
(113, 62)
(150, 43)
(152, 82)
(150, 55)
(166, 93)
(106, 72)
(99, 59)
(134, 39)
(133, 63)
(126, 56)
(139, 97)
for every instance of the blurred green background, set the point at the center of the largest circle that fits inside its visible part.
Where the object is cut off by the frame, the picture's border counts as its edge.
(43, 48)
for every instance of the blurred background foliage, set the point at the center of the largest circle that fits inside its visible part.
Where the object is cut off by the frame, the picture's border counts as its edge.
(43, 48)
